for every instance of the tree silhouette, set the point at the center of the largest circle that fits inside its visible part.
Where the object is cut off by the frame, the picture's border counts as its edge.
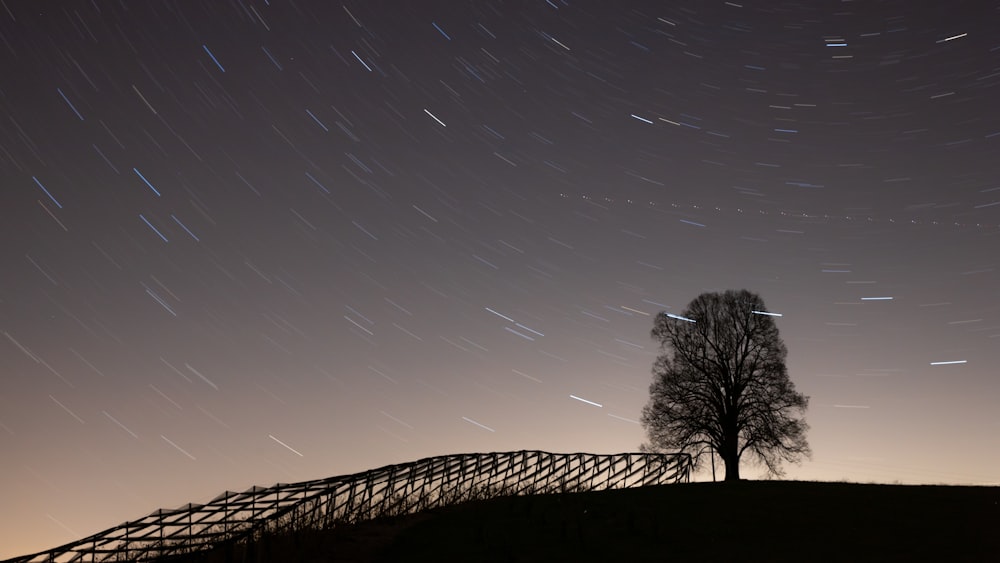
(720, 385)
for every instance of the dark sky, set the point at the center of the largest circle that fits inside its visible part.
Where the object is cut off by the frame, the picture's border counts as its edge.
(247, 242)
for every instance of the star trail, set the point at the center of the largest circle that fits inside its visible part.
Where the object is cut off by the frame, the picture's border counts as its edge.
(269, 241)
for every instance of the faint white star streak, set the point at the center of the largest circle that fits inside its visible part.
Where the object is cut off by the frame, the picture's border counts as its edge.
(483, 426)
(291, 449)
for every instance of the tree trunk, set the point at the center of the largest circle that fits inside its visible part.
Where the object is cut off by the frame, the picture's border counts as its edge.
(731, 456)
(732, 467)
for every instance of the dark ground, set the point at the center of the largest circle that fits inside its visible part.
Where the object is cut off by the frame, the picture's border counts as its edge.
(771, 521)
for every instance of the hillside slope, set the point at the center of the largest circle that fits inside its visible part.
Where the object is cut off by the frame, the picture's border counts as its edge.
(748, 521)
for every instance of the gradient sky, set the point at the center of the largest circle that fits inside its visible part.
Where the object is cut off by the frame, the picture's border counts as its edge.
(260, 241)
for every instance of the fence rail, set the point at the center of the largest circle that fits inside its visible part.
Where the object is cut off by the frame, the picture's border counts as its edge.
(390, 490)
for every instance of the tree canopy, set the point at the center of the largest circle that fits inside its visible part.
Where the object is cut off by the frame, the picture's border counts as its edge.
(720, 385)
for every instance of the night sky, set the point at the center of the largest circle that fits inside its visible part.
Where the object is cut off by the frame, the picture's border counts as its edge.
(247, 242)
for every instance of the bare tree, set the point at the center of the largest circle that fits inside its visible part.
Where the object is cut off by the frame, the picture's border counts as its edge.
(720, 385)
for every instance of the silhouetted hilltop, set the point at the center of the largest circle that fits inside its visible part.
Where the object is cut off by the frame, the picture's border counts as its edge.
(770, 521)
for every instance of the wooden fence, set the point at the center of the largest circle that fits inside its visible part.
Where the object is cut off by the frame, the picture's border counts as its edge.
(386, 491)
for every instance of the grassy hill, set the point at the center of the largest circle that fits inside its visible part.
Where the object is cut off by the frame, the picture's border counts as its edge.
(771, 521)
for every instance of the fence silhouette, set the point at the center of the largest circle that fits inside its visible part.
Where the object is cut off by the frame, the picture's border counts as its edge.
(386, 491)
